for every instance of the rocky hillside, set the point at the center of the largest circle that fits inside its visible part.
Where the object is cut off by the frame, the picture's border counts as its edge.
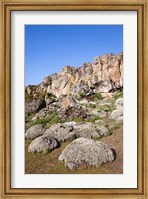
(78, 105)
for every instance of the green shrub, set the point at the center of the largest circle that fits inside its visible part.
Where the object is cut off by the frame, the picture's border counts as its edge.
(27, 96)
(119, 94)
(93, 119)
(50, 95)
(50, 120)
(102, 107)
(92, 105)
(78, 119)
(96, 96)
(81, 94)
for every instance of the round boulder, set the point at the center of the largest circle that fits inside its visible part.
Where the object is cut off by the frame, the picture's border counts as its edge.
(43, 144)
(86, 151)
(34, 131)
(60, 132)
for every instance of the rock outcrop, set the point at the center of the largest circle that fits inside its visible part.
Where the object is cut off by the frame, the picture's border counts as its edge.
(105, 74)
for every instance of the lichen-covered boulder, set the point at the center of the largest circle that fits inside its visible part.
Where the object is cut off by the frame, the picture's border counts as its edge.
(61, 132)
(119, 120)
(34, 131)
(118, 112)
(34, 105)
(43, 144)
(86, 130)
(84, 151)
(119, 102)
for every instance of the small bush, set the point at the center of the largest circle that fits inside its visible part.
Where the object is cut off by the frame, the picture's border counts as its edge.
(101, 108)
(50, 95)
(92, 105)
(28, 97)
(93, 119)
(109, 133)
(81, 94)
(78, 119)
(50, 120)
(96, 96)
(119, 94)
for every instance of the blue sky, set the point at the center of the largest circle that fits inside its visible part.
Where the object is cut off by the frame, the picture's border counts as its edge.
(48, 48)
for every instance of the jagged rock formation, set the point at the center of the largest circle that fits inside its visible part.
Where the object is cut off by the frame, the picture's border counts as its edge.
(105, 74)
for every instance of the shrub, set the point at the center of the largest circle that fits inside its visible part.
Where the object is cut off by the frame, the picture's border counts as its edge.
(92, 105)
(27, 96)
(50, 95)
(119, 94)
(78, 119)
(81, 94)
(93, 119)
(96, 96)
(50, 120)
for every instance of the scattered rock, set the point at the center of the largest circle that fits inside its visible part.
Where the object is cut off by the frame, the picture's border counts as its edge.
(34, 131)
(86, 151)
(43, 144)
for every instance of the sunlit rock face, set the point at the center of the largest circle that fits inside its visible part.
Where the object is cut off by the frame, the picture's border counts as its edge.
(105, 74)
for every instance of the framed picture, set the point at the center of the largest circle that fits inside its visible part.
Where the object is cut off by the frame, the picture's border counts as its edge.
(73, 99)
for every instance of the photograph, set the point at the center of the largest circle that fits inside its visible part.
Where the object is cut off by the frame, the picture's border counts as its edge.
(74, 93)
(74, 81)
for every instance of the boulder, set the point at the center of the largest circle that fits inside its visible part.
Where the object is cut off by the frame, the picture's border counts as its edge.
(119, 102)
(86, 130)
(119, 120)
(103, 131)
(65, 101)
(118, 112)
(61, 132)
(102, 114)
(43, 144)
(34, 131)
(84, 151)
(72, 112)
(34, 105)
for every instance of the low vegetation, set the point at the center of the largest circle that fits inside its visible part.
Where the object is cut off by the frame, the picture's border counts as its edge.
(50, 120)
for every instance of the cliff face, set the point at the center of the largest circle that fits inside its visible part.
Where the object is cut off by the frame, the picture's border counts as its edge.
(104, 75)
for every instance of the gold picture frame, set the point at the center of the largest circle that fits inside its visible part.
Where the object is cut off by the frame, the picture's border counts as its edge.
(5, 98)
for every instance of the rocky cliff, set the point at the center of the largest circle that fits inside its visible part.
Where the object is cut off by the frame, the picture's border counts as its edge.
(104, 75)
